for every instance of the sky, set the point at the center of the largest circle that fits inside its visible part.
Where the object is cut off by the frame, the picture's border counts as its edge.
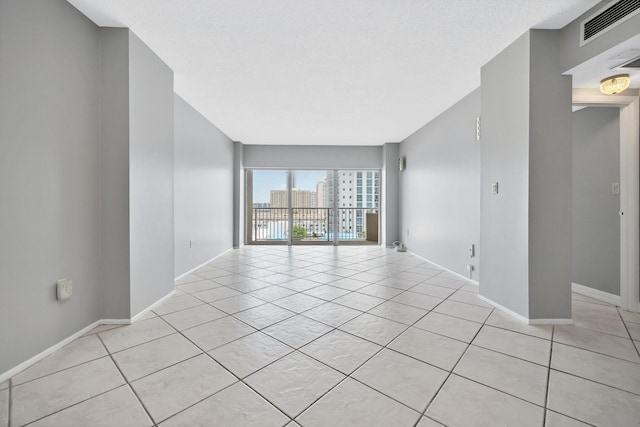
(266, 180)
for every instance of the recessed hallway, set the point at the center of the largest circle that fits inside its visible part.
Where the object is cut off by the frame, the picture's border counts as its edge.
(324, 336)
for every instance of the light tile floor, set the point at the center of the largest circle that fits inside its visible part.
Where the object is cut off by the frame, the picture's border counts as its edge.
(324, 336)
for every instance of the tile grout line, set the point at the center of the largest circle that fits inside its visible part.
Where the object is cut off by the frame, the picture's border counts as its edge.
(628, 331)
(126, 380)
(433, 398)
(546, 394)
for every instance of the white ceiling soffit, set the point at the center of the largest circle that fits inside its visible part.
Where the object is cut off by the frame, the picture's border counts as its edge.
(356, 72)
(589, 73)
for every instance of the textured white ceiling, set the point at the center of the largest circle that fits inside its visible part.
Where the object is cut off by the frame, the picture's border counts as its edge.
(327, 71)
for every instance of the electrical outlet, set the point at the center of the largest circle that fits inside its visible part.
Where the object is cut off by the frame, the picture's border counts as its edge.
(407, 231)
(469, 267)
(615, 188)
(64, 289)
(472, 250)
(190, 244)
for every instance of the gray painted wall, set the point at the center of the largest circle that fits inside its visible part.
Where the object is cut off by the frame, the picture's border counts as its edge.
(504, 148)
(312, 157)
(550, 152)
(203, 183)
(596, 223)
(48, 174)
(238, 195)
(114, 174)
(440, 190)
(526, 147)
(150, 175)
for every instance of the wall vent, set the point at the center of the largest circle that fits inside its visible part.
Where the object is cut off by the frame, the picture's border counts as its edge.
(634, 63)
(607, 18)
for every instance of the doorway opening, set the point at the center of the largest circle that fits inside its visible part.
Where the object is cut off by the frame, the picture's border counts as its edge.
(629, 193)
(298, 207)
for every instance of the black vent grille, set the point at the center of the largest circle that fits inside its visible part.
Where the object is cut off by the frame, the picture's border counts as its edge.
(608, 17)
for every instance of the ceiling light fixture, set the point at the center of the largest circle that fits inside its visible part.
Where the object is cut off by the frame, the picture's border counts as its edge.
(615, 84)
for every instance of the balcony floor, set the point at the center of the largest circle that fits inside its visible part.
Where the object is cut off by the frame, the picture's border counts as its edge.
(335, 336)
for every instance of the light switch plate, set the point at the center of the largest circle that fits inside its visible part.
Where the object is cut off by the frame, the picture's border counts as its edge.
(494, 188)
(615, 188)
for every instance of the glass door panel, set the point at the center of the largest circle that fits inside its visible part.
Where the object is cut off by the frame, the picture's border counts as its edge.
(268, 199)
(310, 208)
(358, 196)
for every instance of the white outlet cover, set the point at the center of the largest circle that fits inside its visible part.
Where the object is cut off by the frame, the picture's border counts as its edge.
(64, 289)
(615, 188)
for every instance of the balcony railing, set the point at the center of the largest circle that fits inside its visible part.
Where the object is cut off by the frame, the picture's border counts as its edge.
(311, 224)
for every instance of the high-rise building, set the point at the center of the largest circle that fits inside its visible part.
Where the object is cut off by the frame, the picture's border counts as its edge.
(355, 189)
(321, 193)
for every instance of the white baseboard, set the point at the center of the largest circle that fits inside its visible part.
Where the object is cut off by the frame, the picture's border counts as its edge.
(202, 265)
(38, 357)
(152, 306)
(475, 282)
(596, 294)
(524, 319)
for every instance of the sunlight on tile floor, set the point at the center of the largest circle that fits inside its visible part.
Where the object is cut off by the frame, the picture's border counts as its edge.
(325, 336)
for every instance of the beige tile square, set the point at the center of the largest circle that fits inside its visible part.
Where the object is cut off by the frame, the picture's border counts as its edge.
(327, 292)
(502, 320)
(432, 290)
(464, 311)
(428, 422)
(452, 327)
(522, 346)
(469, 298)
(176, 303)
(297, 331)
(384, 292)
(359, 301)
(353, 404)
(596, 367)
(516, 377)
(425, 302)
(245, 284)
(137, 333)
(628, 316)
(236, 406)
(294, 382)
(596, 341)
(464, 403)
(343, 352)
(435, 349)
(367, 277)
(185, 319)
(189, 278)
(264, 315)
(403, 378)
(76, 352)
(557, 420)
(46, 395)
(592, 403)
(249, 354)
(276, 279)
(118, 407)
(299, 302)
(300, 285)
(446, 282)
(373, 328)
(147, 358)
(349, 284)
(216, 294)
(634, 330)
(272, 293)
(332, 314)
(237, 303)
(397, 283)
(219, 332)
(398, 312)
(101, 328)
(176, 388)
(600, 322)
(201, 285)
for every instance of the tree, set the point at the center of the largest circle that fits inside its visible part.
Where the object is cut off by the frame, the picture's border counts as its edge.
(299, 232)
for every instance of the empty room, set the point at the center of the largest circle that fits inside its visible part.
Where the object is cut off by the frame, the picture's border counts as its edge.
(304, 213)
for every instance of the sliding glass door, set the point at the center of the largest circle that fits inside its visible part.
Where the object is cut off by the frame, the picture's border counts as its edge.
(312, 206)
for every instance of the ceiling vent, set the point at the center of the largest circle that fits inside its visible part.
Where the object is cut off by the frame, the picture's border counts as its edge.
(607, 18)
